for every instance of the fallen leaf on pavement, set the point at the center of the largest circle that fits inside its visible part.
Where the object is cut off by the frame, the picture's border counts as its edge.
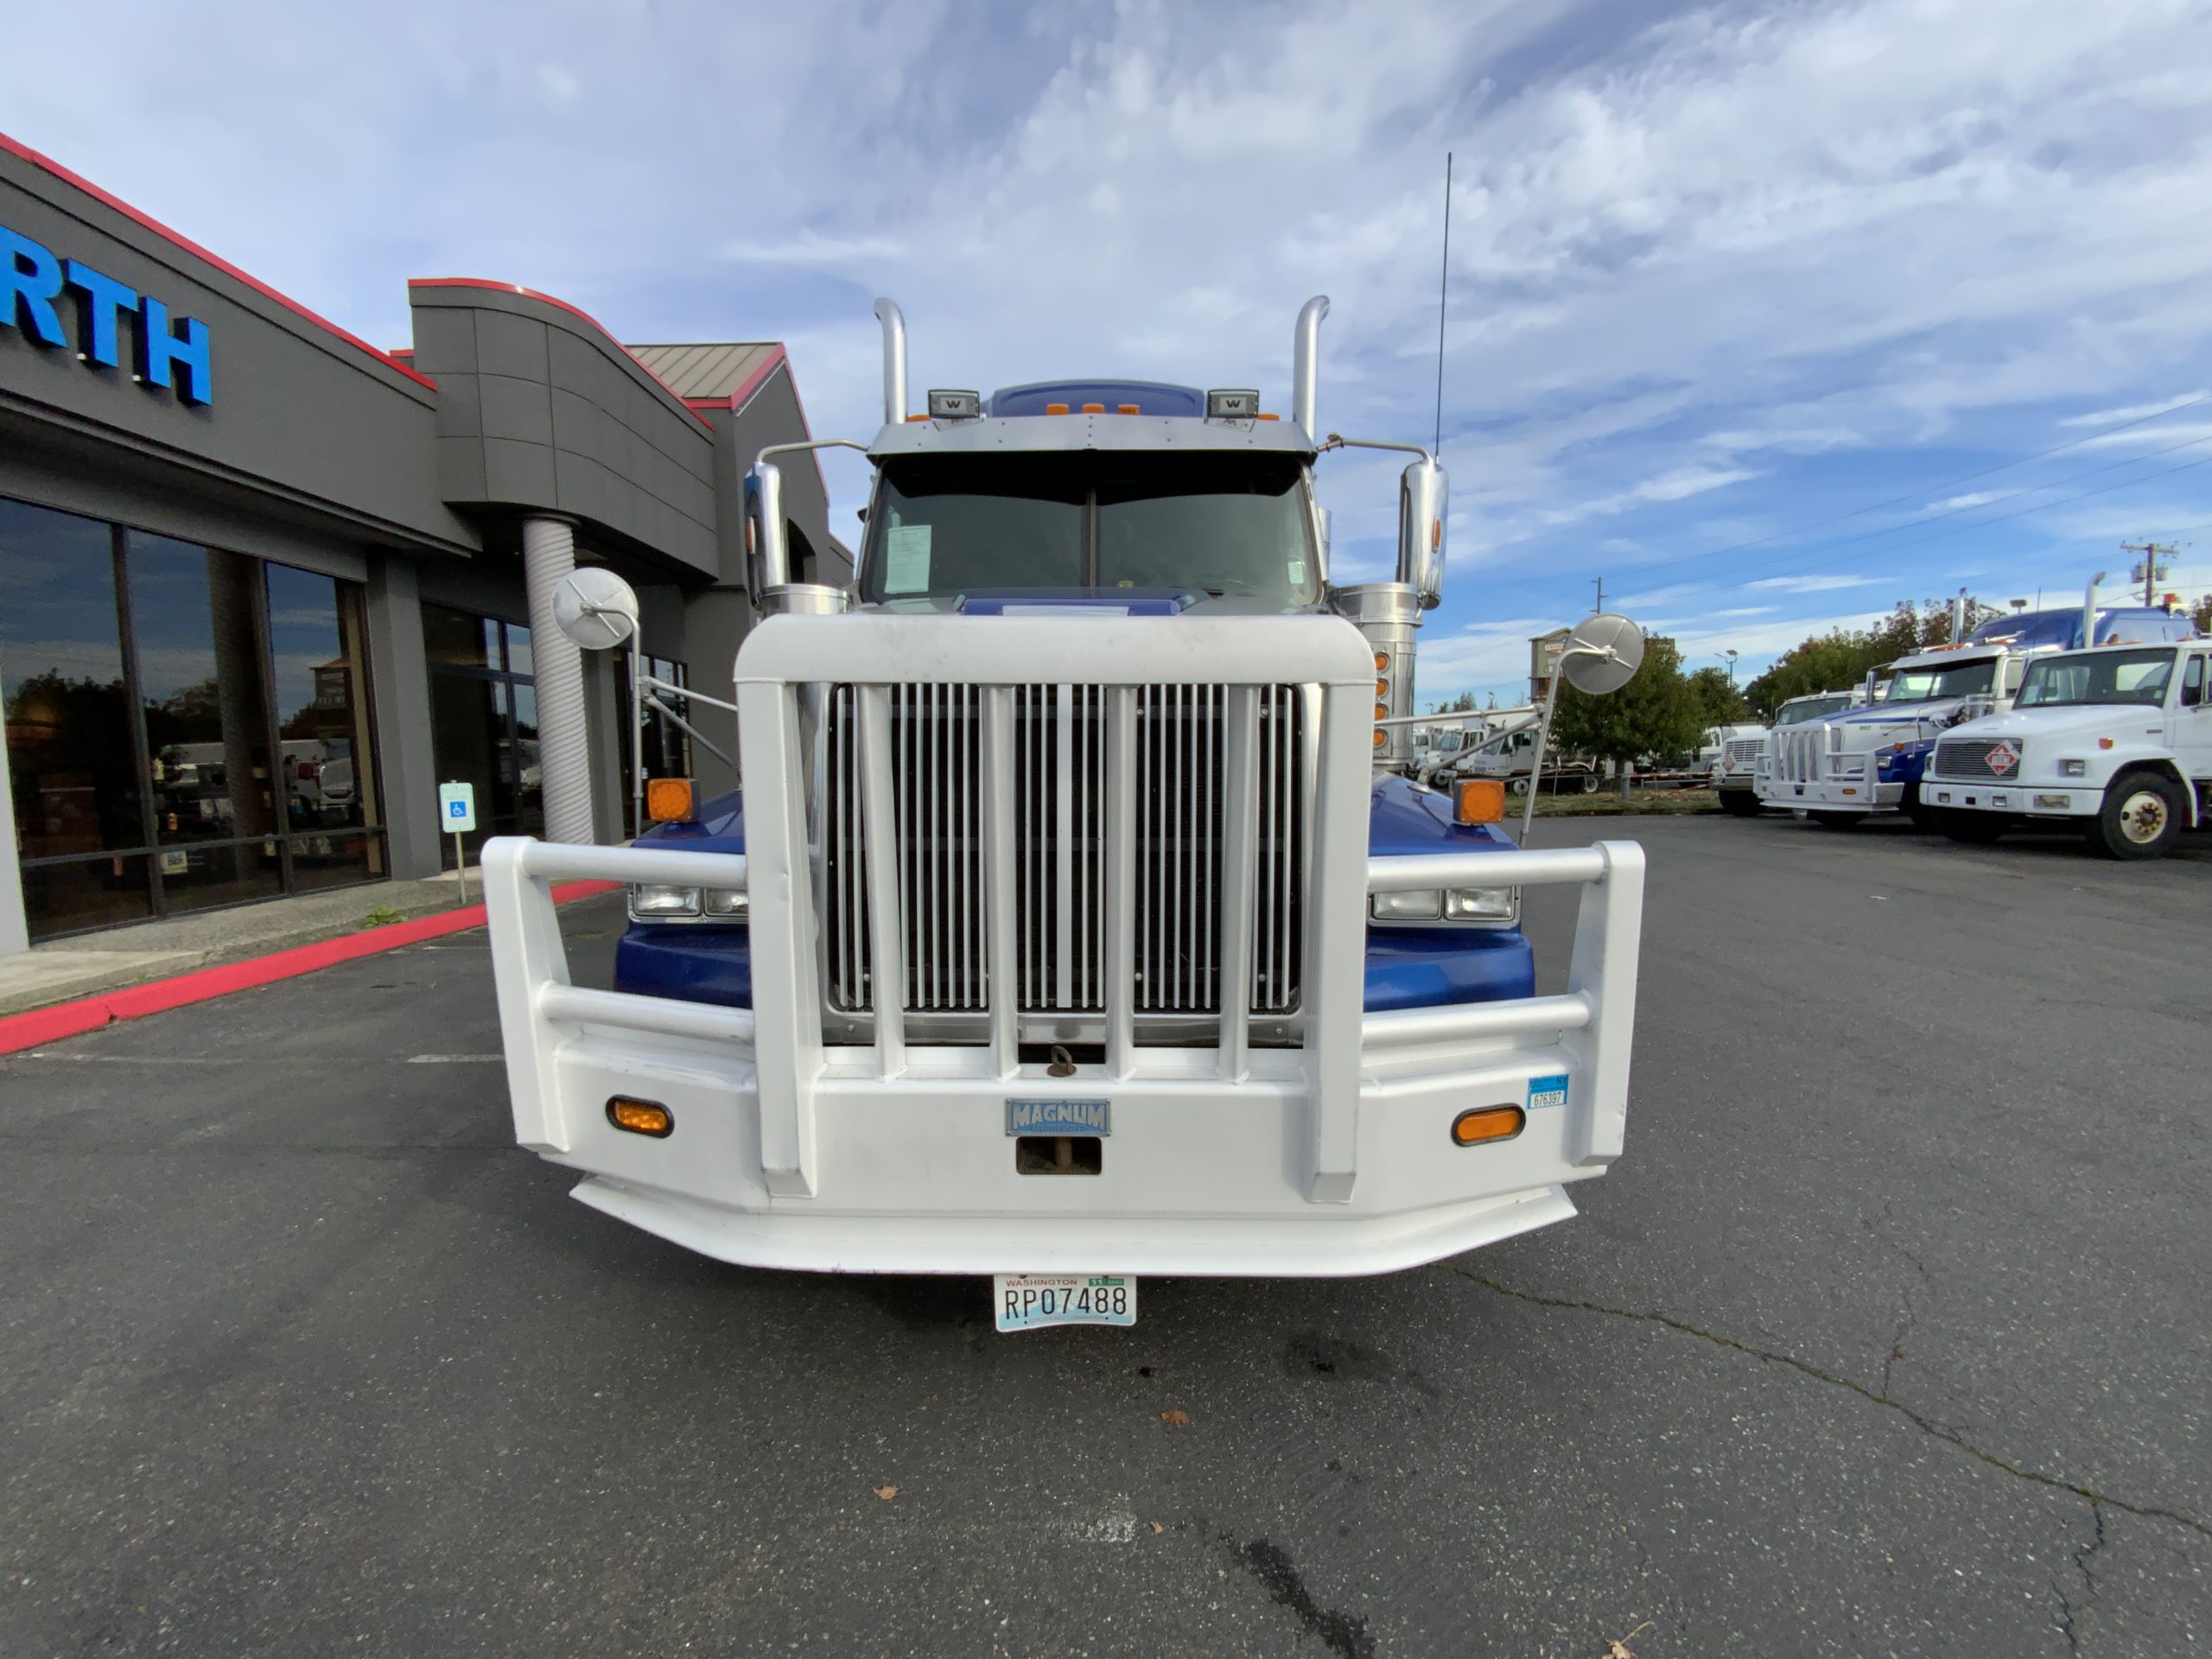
(1176, 1418)
(1618, 1648)
(886, 1493)
(1157, 1528)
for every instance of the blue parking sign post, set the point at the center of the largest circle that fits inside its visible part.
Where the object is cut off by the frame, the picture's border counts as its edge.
(457, 812)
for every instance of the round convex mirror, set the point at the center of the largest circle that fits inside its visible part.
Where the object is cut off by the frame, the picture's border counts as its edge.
(1602, 654)
(596, 607)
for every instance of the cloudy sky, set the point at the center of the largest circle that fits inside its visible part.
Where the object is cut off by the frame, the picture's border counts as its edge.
(1769, 315)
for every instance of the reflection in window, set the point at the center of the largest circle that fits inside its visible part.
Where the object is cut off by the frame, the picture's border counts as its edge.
(319, 652)
(70, 769)
(203, 686)
(484, 717)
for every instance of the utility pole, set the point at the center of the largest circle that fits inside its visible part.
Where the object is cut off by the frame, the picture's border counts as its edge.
(2150, 571)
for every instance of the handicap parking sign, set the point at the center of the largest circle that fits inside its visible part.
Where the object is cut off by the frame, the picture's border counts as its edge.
(457, 808)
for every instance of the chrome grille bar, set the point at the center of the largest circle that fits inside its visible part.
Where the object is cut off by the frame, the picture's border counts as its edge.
(1057, 757)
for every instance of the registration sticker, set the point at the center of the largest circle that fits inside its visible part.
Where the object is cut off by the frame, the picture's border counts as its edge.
(1548, 1091)
(1029, 1301)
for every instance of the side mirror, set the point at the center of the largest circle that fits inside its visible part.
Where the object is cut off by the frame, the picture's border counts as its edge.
(1421, 492)
(767, 554)
(596, 607)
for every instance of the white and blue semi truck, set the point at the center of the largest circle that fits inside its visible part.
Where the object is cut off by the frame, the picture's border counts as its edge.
(1075, 921)
(1843, 769)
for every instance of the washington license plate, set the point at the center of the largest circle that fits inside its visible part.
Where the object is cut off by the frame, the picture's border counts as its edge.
(1025, 1302)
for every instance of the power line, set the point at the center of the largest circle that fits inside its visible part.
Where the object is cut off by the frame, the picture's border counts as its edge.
(1930, 489)
(1974, 507)
(2043, 506)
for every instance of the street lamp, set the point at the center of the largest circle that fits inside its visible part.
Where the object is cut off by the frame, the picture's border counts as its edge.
(1729, 656)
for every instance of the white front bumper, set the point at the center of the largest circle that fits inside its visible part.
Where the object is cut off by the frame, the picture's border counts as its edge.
(1217, 1163)
(1832, 795)
(2075, 798)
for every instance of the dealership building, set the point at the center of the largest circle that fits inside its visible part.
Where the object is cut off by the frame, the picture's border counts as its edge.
(264, 587)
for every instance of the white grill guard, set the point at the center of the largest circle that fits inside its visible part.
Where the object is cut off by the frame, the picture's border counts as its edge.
(1331, 1159)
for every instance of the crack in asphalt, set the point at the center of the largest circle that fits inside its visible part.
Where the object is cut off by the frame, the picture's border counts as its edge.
(1928, 1425)
(2066, 1609)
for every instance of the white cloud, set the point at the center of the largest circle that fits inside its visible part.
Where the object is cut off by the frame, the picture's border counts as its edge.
(556, 86)
(1959, 503)
(1808, 584)
(2133, 411)
(810, 247)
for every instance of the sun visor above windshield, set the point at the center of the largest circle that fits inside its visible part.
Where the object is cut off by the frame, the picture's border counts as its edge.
(1118, 601)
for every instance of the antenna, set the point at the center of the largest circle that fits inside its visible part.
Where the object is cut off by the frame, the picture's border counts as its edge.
(1443, 289)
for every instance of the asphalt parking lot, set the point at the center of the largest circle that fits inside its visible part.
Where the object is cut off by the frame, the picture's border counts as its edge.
(1888, 1336)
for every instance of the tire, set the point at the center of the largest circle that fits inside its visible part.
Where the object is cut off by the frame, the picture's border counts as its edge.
(1740, 803)
(1588, 785)
(1923, 816)
(1973, 829)
(2142, 817)
(1518, 786)
(1837, 820)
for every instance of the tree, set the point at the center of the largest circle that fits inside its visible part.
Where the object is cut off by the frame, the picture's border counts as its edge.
(1654, 714)
(2200, 614)
(1719, 702)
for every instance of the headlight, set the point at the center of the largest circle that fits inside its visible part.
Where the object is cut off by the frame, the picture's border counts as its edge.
(2073, 768)
(649, 900)
(1494, 906)
(1482, 904)
(1413, 906)
(727, 903)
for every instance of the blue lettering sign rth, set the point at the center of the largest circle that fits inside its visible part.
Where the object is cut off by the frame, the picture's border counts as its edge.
(171, 355)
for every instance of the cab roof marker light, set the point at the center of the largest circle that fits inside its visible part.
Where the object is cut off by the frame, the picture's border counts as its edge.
(1056, 409)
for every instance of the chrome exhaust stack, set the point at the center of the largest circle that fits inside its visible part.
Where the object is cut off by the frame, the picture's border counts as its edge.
(894, 361)
(1305, 364)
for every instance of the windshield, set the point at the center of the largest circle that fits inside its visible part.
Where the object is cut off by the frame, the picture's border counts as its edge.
(2108, 676)
(1224, 523)
(1969, 679)
(1814, 709)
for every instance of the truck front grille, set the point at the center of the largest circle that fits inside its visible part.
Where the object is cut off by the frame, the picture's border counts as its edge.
(1743, 752)
(1968, 757)
(1059, 767)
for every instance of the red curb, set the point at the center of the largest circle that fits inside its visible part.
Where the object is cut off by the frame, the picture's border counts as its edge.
(42, 1025)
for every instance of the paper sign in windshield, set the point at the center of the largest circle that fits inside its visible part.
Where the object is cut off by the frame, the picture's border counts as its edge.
(906, 559)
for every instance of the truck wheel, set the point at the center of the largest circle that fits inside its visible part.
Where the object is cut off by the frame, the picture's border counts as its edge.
(1588, 784)
(2142, 817)
(1740, 803)
(1923, 815)
(1836, 820)
(1973, 829)
(1519, 785)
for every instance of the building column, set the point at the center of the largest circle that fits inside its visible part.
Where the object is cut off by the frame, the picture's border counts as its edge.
(549, 553)
(399, 689)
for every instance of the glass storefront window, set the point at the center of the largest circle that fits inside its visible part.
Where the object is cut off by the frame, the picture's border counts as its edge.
(483, 718)
(318, 650)
(73, 774)
(145, 768)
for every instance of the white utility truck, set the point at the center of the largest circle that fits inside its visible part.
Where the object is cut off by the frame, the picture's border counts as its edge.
(1845, 767)
(2115, 741)
(1075, 921)
(1742, 753)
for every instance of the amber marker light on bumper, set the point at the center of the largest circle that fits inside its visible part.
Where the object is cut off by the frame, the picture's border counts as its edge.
(1481, 1123)
(641, 1117)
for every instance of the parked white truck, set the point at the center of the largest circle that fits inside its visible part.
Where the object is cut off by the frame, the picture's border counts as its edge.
(1074, 922)
(1744, 750)
(1844, 768)
(2115, 741)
